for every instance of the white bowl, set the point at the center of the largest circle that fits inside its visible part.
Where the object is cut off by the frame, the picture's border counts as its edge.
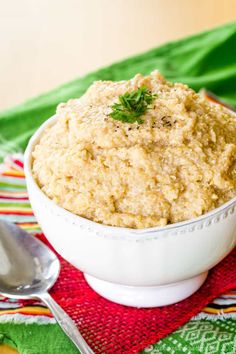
(143, 268)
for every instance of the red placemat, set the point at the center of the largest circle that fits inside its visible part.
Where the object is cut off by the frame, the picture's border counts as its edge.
(111, 328)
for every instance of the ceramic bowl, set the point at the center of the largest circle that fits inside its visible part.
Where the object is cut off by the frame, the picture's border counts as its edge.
(143, 268)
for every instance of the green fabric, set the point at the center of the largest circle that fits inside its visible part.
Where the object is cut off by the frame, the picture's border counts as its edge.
(199, 337)
(5, 339)
(36, 339)
(204, 60)
(196, 337)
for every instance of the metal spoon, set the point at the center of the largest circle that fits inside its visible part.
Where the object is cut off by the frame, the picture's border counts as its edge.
(28, 269)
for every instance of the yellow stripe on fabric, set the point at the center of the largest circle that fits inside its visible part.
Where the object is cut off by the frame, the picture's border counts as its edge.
(8, 193)
(31, 310)
(218, 311)
(229, 309)
(29, 225)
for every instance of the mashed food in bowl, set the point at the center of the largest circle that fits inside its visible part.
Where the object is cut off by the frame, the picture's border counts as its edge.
(177, 164)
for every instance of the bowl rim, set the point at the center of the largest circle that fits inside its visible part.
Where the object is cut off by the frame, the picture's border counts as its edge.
(79, 219)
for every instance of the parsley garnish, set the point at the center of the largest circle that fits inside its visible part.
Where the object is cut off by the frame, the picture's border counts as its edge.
(132, 105)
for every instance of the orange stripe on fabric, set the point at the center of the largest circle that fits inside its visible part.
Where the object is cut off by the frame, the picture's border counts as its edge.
(13, 173)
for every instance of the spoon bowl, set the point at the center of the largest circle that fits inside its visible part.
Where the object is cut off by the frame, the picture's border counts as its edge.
(28, 269)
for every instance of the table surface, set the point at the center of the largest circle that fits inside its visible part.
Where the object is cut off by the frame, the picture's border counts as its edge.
(85, 35)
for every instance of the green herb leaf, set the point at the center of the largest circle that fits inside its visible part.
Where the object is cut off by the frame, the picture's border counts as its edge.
(132, 105)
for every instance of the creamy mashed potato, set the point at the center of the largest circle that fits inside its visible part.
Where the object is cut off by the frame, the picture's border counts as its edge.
(177, 165)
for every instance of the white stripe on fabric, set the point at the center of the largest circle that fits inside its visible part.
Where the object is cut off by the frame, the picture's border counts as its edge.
(8, 305)
(18, 218)
(13, 180)
(224, 302)
(19, 318)
(214, 317)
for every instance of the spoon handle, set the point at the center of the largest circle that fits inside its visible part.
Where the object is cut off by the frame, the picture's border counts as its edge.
(66, 323)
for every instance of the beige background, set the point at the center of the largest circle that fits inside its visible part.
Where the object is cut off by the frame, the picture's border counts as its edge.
(44, 43)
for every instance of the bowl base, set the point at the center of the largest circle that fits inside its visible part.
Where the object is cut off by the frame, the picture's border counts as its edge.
(146, 296)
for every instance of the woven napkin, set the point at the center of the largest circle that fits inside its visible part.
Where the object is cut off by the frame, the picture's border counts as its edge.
(111, 328)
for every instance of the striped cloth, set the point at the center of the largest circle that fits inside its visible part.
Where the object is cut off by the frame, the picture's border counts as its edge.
(14, 202)
(15, 207)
